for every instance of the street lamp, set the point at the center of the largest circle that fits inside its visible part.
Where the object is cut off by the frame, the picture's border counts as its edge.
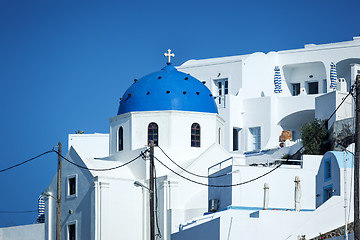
(139, 184)
(47, 195)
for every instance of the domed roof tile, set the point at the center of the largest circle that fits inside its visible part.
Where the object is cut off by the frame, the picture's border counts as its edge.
(168, 89)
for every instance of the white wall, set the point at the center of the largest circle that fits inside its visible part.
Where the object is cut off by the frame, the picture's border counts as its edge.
(118, 209)
(174, 131)
(256, 73)
(28, 232)
(123, 120)
(91, 145)
(326, 104)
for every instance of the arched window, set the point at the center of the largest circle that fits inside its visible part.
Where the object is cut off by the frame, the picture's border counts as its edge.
(195, 135)
(120, 139)
(153, 133)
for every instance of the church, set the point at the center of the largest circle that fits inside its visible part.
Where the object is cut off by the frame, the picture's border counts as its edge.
(218, 128)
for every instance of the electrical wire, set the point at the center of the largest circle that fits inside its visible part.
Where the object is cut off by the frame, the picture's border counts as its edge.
(211, 185)
(323, 125)
(19, 164)
(254, 179)
(158, 235)
(99, 169)
(29, 211)
(197, 175)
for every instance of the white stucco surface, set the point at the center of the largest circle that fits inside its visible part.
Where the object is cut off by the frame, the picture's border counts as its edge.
(28, 232)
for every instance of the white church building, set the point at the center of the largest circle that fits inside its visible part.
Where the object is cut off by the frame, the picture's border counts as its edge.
(216, 124)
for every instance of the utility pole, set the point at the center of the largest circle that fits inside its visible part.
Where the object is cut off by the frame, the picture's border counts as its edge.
(58, 195)
(356, 160)
(152, 211)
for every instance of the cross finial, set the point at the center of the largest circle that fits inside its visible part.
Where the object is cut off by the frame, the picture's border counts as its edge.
(169, 55)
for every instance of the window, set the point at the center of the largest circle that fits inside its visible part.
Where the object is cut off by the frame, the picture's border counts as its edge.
(313, 88)
(195, 135)
(71, 186)
(219, 135)
(153, 133)
(120, 139)
(324, 85)
(235, 139)
(222, 90)
(71, 231)
(328, 193)
(255, 138)
(327, 169)
(295, 89)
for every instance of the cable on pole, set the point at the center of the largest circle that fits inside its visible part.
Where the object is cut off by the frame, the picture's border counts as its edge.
(99, 169)
(254, 179)
(29, 211)
(211, 185)
(323, 125)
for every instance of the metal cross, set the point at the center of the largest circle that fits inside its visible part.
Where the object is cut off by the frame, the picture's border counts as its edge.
(169, 55)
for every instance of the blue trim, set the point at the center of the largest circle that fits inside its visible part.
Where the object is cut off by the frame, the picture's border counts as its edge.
(168, 89)
(339, 156)
(255, 214)
(259, 208)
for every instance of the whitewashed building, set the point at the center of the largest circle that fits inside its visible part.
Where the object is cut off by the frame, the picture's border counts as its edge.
(210, 117)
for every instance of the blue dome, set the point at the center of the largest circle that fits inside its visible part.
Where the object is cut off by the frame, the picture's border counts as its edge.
(168, 89)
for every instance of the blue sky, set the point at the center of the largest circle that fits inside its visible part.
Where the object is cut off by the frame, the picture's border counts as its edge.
(65, 64)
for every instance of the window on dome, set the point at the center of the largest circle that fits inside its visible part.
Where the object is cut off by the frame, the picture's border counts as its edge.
(195, 135)
(120, 139)
(153, 133)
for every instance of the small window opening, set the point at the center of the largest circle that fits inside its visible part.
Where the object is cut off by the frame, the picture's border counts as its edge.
(295, 89)
(72, 232)
(72, 186)
(235, 139)
(313, 88)
(328, 169)
(121, 139)
(219, 140)
(195, 135)
(328, 193)
(255, 138)
(153, 133)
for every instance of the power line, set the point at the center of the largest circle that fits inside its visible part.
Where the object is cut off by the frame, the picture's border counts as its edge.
(197, 175)
(19, 164)
(29, 211)
(100, 169)
(158, 235)
(254, 179)
(343, 100)
(211, 185)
